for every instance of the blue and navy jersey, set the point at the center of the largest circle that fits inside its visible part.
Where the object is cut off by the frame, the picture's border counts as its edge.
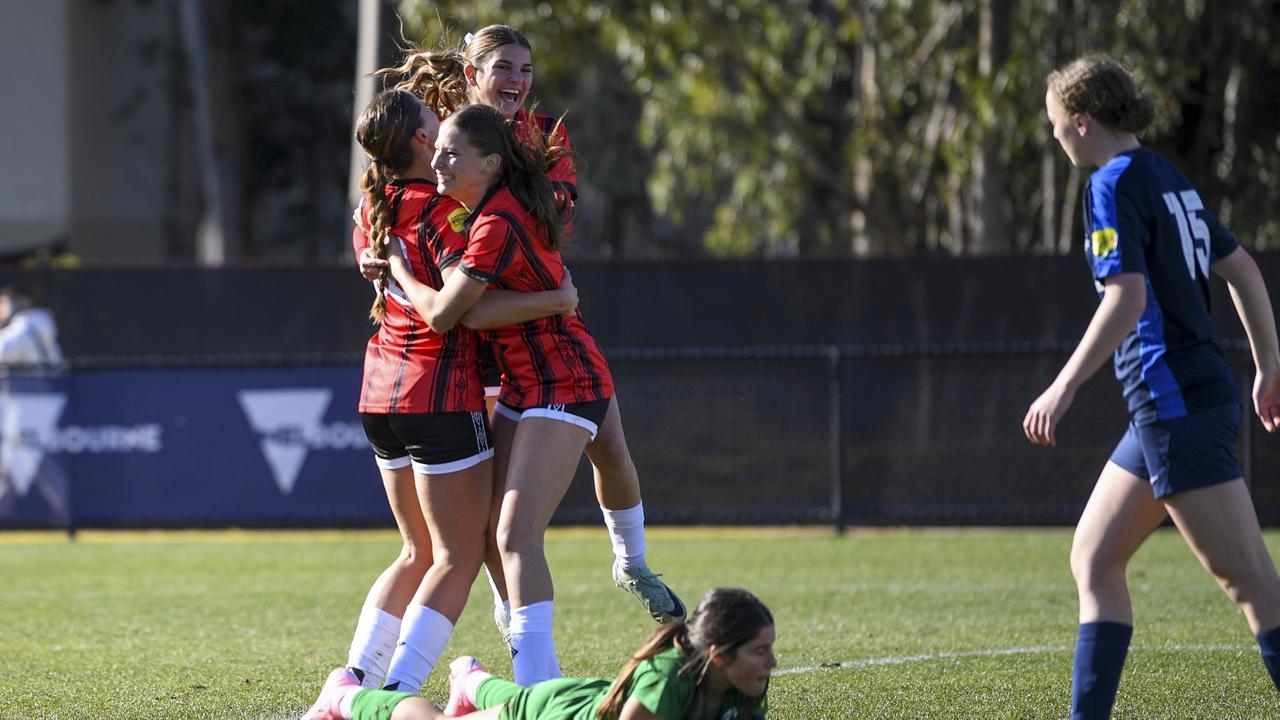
(1142, 216)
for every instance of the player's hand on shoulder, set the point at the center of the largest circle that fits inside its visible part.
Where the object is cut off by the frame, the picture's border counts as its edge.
(1041, 423)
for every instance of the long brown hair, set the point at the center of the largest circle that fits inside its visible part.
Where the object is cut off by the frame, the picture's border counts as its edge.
(385, 132)
(1103, 89)
(524, 165)
(726, 617)
(439, 77)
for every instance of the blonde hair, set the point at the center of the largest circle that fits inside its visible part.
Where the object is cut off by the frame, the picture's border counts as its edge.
(385, 132)
(1098, 86)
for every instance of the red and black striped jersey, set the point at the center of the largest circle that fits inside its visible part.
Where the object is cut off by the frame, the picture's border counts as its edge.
(545, 361)
(408, 367)
(564, 176)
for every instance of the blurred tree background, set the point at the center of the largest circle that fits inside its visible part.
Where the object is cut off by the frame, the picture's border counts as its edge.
(815, 128)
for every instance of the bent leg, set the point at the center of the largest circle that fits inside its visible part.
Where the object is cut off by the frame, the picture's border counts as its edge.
(378, 628)
(1121, 514)
(618, 491)
(456, 505)
(617, 482)
(504, 432)
(1220, 525)
(543, 457)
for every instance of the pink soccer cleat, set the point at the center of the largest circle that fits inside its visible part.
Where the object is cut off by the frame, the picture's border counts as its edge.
(461, 668)
(326, 706)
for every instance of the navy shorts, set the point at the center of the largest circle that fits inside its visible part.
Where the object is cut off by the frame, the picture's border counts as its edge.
(434, 443)
(1190, 452)
(587, 415)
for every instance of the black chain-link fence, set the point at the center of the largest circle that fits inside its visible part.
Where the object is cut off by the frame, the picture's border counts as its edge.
(883, 435)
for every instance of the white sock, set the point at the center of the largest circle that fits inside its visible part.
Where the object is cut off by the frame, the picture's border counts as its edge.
(626, 533)
(372, 645)
(348, 699)
(533, 650)
(422, 640)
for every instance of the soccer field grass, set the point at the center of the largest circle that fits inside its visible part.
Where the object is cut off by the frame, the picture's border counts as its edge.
(874, 624)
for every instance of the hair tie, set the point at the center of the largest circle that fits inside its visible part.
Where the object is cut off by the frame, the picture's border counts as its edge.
(466, 40)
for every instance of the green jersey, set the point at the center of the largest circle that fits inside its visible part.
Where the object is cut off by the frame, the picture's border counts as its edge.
(656, 684)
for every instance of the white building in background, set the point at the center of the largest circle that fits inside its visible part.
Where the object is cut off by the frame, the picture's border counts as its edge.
(95, 145)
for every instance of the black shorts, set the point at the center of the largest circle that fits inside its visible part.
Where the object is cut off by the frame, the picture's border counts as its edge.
(588, 415)
(490, 373)
(434, 443)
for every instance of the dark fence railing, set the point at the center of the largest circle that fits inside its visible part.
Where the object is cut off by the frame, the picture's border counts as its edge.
(884, 434)
(887, 391)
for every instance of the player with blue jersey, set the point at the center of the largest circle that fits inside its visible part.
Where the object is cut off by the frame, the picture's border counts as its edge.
(1151, 245)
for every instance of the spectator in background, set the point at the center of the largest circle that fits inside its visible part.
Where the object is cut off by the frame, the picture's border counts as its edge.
(28, 334)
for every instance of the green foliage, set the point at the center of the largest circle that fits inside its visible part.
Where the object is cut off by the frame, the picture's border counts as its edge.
(900, 624)
(754, 127)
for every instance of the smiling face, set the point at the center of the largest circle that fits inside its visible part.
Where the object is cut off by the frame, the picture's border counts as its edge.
(502, 78)
(748, 671)
(462, 172)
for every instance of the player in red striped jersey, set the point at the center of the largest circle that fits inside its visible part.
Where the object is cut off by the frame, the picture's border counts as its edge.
(495, 68)
(557, 393)
(421, 401)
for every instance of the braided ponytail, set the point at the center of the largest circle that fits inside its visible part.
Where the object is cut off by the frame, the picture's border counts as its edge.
(385, 131)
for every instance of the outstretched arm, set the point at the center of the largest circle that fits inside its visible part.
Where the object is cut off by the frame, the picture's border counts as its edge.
(1123, 300)
(1249, 293)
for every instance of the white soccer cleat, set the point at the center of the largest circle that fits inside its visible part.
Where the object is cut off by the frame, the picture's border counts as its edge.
(662, 604)
(502, 618)
(326, 707)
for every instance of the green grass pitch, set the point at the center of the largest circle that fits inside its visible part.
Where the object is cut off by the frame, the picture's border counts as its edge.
(874, 624)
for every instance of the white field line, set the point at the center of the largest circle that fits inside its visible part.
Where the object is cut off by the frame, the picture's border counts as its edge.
(994, 652)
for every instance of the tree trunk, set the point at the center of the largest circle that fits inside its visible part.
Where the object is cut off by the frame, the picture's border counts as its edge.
(989, 223)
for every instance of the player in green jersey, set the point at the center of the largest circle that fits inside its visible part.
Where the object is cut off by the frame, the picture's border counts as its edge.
(715, 666)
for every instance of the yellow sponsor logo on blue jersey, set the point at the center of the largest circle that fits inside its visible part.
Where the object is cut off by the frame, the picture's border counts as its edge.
(1104, 242)
(458, 221)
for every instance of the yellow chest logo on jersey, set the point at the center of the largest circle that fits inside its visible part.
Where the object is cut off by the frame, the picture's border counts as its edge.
(458, 219)
(1104, 242)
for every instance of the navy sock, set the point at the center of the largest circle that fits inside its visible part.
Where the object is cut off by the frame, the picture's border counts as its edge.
(1100, 652)
(1269, 643)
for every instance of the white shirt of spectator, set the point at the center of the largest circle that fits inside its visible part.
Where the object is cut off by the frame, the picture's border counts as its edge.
(30, 338)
